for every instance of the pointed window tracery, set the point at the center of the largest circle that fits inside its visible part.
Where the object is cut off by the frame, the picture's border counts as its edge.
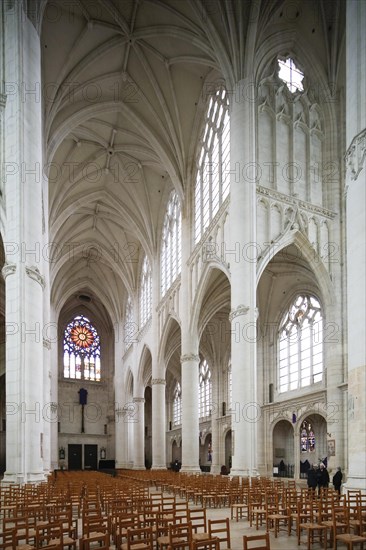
(81, 350)
(171, 243)
(145, 293)
(291, 75)
(177, 405)
(301, 344)
(213, 171)
(205, 390)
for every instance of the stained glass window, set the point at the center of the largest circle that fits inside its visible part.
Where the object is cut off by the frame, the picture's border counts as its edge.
(213, 170)
(81, 350)
(301, 344)
(171, 243)
(205, 390)
(177, 405)
(307, 438)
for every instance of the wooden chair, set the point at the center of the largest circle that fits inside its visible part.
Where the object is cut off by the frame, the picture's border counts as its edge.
(313, 527)
(248, 539)
(209, 544)
(197, 517)
(336, 523)
(7, 540)
(348, 538)
(239, 505)
(180, 536)
(49, 535)
(277, 517)
(220, 528)
(93, 526)
(139, 539)
(99, 541)
(119, 525)
(162, 532)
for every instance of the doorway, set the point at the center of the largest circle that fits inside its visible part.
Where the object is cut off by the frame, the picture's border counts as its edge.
(74, 456)
(90, 457)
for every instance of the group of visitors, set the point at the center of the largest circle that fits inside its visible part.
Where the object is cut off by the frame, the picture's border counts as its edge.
(318, 477)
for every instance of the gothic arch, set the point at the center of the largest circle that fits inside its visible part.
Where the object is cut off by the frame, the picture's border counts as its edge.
(302, 243)
(168, 328)
(142, 376)
(202, 288)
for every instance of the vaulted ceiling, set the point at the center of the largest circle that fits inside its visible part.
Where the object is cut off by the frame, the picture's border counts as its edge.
(125, 84)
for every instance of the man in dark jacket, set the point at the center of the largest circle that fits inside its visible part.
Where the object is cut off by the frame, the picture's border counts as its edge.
(312, 479)
(337, 479)
(323, 477)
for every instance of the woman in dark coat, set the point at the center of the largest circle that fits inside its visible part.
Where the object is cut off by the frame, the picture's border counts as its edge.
(337, 480)
(322, 477)
(312, 479)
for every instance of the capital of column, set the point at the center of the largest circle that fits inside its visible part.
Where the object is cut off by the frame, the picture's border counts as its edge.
(138, 400)
(33, 272)
(158, 381)
(189, 357)
(121, 412)
(8, 269)
(356, 154)
(237, 311)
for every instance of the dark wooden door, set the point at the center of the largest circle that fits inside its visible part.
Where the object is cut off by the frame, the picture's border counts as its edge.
(74, 457)
(90, 457)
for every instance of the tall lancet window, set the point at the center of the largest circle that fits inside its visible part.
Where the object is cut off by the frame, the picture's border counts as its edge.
(81, 350)
(171, 249)
(301, 344)
(177, 405)
(145, 293)
(130, 327)
(213, 171)
(205, 390)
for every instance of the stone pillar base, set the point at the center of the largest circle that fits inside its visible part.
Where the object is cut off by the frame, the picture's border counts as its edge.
(244, 473)
(190, 470)
(30, 477)
(159, 467)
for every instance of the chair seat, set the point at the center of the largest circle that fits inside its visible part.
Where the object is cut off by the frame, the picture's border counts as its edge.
(200, 536)
(163, 541)
(349, 537)
(312, 526)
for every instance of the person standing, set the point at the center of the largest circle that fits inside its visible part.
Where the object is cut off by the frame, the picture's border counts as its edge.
(312, 477)
(323, 477)
(337, 480)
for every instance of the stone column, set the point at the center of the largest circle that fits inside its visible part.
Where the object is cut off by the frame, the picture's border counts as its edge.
(120, 404)
(356, 238)
(25, 283)
(158, 384)
(139, 433)
(158, 424)
(241, 254)
(189, 364)
(190, 420)
(215, 414)
(56, 409)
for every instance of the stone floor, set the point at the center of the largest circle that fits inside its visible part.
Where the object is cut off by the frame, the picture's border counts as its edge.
(240, 528)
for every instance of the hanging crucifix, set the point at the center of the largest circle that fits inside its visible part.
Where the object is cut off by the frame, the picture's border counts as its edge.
(83, 395)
